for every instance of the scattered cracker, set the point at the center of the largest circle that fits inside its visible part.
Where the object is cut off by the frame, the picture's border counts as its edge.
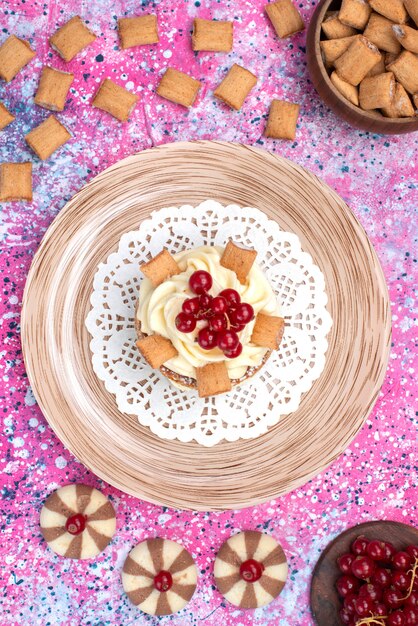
(282, 120)
(236, 86)
(71, 38)
(156, 350)
(6, 117)
(161, 267)
(115, 100)
(212, 379)
(239, 260)
(178, 87)
(212, 35)
(47, 137)
(138, 31)
(53, 89)
(15, 181)
(15, 53)
(268, 331)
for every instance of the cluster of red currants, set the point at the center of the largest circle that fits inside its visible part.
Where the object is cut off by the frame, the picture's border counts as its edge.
(379, 585)
(225, 314)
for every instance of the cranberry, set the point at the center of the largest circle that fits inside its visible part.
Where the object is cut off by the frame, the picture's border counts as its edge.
(231, 296)
(412, 551)
(242, 314)
(393, 598)
(204, 301)
(347, 584)
(191, 306)
(185, 323)
(344, 563)
(200, 281)
(207, 339)
(75, 524)
(390, 550)
(372, 591)
(362, 567)
(401, 580)
(396, 618)
(163, 581)
(380, 609)
(411, 616)
(218, 305)
(402, 561)
(228, 340)
(251, 570)
(382, 577)
(359, 546)
(218, 322)
(232, 354)
(376, 550)
(364, 607)
(412, 599)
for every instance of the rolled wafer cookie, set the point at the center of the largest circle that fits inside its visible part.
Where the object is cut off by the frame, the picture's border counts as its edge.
(77, 521)
(250, 569)
(159, 576)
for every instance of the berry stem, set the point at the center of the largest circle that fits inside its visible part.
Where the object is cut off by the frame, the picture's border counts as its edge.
(379, 620)
(414, 574)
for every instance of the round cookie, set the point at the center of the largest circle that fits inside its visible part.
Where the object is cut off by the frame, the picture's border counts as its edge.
(250, 569)
(159, 576)
(77, 521)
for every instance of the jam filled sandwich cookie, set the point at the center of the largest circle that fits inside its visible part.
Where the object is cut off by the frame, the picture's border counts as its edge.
(250, 569)
(159, 576)
(77, 521)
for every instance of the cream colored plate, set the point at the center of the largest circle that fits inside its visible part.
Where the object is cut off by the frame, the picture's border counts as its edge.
(84, 415)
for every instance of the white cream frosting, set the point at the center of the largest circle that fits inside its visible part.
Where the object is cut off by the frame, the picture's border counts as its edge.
(159, 306)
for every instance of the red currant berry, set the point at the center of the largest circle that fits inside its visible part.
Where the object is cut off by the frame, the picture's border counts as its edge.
(390, 550)
(396, 618)
(191, 306)
(372, 591)
(238, 327)
(185, 323)
(200, 281)
(204, 301)
(232, 354)
(345, 617)
(218, 323)
(363, 567)
(347, 584)
(412, 551)
(207, 339)
(402, 561)
(163, 581)
(242, 314)
(401, 580)
(411, 616)
(364, 607)
(344, 563)
(228, 340)
(359, 546)
(376, 550)
(393, 598)
(412, 599)
(218, 305)
(75, 524)
(349, 603)
(380, 609)
(382, 577)
(251, 570)
(231, 296)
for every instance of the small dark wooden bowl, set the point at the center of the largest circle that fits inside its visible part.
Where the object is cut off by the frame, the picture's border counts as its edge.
(372, 121)
(325, 603)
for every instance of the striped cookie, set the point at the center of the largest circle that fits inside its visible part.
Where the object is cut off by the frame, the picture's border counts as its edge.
(250, 569)
(77, 521)
(159, 576)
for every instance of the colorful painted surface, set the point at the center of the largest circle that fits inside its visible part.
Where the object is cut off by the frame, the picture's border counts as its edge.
(376, 477)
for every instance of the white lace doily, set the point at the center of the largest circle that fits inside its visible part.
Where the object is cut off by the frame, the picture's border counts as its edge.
(251, 408)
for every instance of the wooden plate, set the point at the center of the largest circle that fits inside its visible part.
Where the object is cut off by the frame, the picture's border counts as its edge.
(56, 342)
(325, 602)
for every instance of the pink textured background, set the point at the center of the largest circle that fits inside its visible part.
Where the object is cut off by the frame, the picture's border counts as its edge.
(376, 477)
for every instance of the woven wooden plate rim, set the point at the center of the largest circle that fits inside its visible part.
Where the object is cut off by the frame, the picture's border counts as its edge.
(56, 342)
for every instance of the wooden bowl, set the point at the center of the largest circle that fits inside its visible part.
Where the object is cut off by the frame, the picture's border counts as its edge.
(372, 121)
(325, 602)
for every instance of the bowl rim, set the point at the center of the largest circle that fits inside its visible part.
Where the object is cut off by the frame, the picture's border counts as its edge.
(372, 116)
